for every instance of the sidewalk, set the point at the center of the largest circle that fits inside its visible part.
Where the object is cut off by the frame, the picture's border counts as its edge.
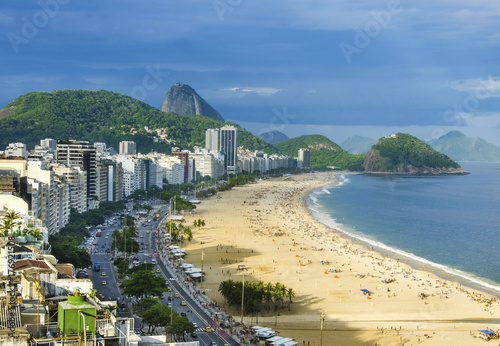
(234, 330)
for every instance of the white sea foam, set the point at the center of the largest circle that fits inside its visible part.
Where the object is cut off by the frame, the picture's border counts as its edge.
(352, 233)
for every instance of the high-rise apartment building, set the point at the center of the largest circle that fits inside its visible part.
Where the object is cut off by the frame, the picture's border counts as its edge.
(76, 177)
(109, 180)
(81, 154)
(225, 141)
(229, 146)
(38, 190)
(304, 159)
(184, 157)
(212, 140)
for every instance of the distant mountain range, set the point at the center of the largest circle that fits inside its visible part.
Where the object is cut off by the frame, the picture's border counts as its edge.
(104, 116)
(462, 148)
(183, 100)
(273, 137)
(358, 144)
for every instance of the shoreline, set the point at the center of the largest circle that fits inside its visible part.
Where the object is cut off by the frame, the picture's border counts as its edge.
(268, 227)
(443, 271)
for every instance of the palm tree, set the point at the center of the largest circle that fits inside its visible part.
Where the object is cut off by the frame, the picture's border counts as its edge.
(290, 294)
(7, 225)
(268, 294)
(189, 234)
(225, 288)
(108, 310)
(279, 292)
(35, 233)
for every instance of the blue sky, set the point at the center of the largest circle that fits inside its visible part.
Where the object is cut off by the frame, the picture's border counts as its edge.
(338, 68)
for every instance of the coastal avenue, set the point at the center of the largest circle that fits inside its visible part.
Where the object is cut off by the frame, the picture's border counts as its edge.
(110, 290)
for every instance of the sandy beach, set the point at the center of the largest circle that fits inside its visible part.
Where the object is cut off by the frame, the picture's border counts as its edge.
(267, 227)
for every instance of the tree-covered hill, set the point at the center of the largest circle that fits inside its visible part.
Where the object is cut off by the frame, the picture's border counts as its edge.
(105, 116)
(406, 154)
(324, 152)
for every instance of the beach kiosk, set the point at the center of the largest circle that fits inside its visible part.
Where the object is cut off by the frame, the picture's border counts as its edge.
(487, 334)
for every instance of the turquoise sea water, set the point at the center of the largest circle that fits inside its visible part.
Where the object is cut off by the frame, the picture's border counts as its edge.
(449, 222)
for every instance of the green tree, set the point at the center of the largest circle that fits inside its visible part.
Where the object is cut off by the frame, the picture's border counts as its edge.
(6, 228)
(69, 253)
(179, 326)
(157, 315)
(186, 187)
(121, 265)
(181, 204)
(144, 284)
(178, 231)
(199, 223)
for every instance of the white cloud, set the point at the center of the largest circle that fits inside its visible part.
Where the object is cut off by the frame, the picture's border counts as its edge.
(242, 91)
(479, 87)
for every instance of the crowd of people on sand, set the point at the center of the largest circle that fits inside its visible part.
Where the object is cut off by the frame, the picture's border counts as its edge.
(278, 220)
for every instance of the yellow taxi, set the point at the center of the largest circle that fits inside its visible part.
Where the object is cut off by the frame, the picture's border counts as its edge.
(104, 283)
(158, 270)
(208, 329)
(176, 295)
(183, 303)
(103, 274)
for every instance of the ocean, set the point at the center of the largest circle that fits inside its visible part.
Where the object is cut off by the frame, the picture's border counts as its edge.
(449, 223)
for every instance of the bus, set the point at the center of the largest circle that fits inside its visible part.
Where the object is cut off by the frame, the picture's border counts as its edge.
(97, 266)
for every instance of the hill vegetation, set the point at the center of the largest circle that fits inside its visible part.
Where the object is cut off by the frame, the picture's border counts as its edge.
(104, 116)
(404, 153)
(324, 152)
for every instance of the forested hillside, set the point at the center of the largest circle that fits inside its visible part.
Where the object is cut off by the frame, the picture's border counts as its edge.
(324, 152)
(104, 116)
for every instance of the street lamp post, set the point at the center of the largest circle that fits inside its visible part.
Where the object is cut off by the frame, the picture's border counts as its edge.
(123, 235)
(322, 319)
(202, 254)
(242, 296)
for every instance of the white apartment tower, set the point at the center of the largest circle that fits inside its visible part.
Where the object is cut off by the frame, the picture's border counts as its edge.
(81, 154)
(225, 141)
(304, 159)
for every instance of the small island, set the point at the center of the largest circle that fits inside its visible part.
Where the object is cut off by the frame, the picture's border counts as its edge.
(402, 153)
